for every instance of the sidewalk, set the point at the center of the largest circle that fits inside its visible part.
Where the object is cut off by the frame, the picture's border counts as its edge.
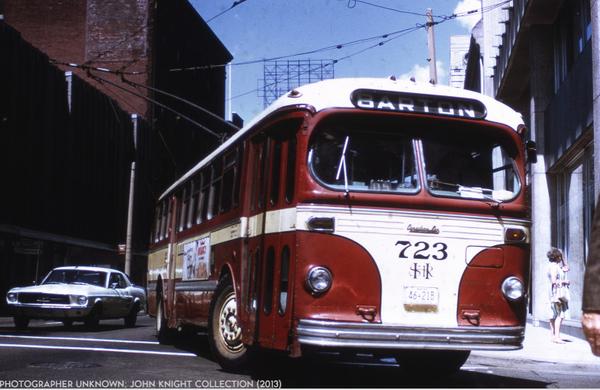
(538, 346)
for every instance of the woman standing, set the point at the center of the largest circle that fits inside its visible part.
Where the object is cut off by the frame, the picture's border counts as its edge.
(559, 300)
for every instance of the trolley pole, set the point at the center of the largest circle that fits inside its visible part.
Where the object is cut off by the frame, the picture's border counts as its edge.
(128, 239)
(431, 46)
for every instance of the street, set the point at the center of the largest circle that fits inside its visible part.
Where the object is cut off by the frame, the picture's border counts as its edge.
(49, 355)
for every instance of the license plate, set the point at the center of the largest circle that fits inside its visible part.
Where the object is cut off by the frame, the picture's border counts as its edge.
(421, 299)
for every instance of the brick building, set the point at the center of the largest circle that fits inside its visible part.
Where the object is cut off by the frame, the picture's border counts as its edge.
(68, 138)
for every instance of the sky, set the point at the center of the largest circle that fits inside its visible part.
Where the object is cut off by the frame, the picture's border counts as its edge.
(264, 29)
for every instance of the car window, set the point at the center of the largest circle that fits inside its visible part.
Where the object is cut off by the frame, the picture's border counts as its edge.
(75, 276)
(117, 280)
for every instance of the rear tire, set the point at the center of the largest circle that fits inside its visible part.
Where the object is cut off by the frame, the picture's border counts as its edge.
(442, 362)
(21, 322)
(224, 332)
(162, 330)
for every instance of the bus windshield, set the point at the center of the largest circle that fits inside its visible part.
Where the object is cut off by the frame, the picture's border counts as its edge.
(360, 160)
(469, 166)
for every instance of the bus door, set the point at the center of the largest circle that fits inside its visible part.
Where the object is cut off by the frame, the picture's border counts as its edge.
(171, 260)
(274, 315)
(255, 183)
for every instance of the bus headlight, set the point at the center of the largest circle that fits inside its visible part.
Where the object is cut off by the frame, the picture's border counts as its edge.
(513, 288)
(82, 300)
(11, 297)
(318, 280)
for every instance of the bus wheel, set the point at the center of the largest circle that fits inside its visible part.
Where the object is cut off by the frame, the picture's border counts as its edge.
(162, 330)
(224, 331)
(440, 362)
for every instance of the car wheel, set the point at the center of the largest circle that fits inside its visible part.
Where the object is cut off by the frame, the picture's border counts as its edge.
(21, 322)
(224, 331)
(162, 330)
(131, 318)
(432, 361)
(93, 319)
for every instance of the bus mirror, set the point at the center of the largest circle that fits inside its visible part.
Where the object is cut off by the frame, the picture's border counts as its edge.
(530, 148)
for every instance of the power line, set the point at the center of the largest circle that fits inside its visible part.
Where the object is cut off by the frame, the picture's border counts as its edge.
(335, 61)
(235, 4)
(134, 84)
(314, 51)
(192, 104)
(190, 120)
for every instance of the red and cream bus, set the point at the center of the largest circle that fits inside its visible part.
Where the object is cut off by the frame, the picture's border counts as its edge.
(357, 215)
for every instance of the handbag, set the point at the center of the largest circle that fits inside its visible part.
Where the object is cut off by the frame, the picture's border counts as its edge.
(563, 294)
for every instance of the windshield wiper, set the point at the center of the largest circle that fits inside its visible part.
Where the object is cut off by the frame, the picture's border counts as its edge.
(343, 163)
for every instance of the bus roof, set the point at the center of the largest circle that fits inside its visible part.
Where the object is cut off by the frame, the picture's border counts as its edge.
(337, 93)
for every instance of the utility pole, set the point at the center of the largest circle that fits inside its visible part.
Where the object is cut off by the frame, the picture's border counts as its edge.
(129, 237)
(431, 47)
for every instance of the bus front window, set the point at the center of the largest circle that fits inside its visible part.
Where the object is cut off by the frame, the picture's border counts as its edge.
(475, 167)
(360, 160)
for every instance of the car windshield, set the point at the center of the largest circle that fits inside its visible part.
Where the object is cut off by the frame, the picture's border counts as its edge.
(364, 159)
(474, 166)
(73, 276)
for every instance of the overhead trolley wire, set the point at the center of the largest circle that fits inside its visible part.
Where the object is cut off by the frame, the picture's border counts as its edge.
(235, 4)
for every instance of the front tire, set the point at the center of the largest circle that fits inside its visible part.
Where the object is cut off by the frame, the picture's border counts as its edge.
(131, 318)
(442, 362)
(21, 322)
(224, 331)
(93, 319)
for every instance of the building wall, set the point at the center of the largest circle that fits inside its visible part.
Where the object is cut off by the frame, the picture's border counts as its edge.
(98, 33)
(543, 67)
(459, 50)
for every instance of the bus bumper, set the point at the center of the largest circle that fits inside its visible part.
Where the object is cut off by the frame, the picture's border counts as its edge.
(336, 334)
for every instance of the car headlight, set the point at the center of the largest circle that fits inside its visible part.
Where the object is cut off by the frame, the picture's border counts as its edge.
(12, 297)
(82, 300)
(318, 280)
(513, 288)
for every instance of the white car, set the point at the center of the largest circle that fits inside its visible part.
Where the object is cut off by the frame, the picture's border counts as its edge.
(77, 293)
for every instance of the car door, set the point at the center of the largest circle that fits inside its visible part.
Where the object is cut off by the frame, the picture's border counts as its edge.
(122, 298)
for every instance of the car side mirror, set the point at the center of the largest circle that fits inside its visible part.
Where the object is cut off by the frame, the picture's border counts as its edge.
(531, 149)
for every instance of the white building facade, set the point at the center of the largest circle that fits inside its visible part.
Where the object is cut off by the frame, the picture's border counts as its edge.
(541, 57)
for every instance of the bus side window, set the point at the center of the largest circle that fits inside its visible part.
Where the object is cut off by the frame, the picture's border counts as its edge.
(228, 181)
(204, 196)
(193, 207)
(183, 195)
(290, 171)
(163, 219)
(215, 188)
(156, 228)
(268, 283)
(237, 175)
(284, 279)
(275, 171)
(169, 217)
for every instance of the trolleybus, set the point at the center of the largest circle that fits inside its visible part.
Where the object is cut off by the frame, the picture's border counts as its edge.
(357, 215)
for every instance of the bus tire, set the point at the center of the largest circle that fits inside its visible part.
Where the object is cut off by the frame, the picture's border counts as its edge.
(224, 332)
(442, 362)
(162, 329)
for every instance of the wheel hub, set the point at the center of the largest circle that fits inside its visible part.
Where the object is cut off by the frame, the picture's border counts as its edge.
(228, 324)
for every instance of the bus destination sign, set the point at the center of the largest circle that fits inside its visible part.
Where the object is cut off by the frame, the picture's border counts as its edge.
(421, 104)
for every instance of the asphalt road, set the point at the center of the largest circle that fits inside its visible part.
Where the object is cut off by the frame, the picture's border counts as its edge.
(49, 355)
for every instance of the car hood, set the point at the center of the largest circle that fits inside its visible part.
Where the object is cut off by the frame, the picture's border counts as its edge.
(69, 289)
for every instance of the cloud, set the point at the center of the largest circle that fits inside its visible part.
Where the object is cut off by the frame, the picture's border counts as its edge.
(421, 73)
(470, 20)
